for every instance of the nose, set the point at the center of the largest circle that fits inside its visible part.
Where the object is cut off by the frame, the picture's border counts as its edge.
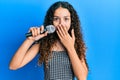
(61, 21)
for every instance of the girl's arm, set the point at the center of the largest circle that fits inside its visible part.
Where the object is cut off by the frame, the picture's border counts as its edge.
(79, 66)
(27, 51)
(24, 54)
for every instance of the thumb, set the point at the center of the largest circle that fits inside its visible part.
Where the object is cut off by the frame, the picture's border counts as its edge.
(41, 35)
(44, 34)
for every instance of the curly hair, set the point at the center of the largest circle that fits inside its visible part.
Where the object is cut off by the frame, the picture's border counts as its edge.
(47, 42)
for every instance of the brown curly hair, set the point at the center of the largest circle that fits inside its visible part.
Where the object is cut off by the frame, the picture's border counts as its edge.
(47, 42)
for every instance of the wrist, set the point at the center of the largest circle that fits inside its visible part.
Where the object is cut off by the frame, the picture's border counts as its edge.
(30, 40)
(70, 49)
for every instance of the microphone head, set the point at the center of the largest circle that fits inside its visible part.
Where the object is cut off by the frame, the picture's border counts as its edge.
(50, 29)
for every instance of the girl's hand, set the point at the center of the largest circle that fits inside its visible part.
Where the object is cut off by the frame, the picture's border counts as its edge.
(37, 33)
(65, 38)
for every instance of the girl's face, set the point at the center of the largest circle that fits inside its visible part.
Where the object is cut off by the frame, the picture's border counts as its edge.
(62, 17)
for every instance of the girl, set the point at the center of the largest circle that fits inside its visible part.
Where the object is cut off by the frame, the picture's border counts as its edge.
(62, 52)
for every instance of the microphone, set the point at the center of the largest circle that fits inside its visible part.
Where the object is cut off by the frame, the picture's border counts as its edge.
(49, 28)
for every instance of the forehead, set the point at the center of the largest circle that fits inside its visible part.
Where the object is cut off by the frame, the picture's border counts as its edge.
(61, 12)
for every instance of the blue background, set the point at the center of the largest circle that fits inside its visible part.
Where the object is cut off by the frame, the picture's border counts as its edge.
(100, 22)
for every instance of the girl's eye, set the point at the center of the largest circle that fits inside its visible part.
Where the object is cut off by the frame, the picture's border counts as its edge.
(55, 19)
(66, 19)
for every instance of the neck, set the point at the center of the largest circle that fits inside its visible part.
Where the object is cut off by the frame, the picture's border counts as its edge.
(58, 46)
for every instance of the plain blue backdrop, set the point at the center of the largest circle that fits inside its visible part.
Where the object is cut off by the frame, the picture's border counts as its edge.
(100, 21)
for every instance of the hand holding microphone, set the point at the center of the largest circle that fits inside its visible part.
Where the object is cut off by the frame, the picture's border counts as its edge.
(37, 33)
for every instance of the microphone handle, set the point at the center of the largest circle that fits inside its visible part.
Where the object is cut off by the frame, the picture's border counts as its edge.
(28, 34)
